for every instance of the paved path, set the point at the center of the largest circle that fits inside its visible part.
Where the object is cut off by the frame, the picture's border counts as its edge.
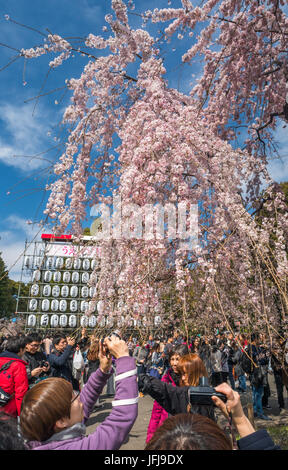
(137, 436)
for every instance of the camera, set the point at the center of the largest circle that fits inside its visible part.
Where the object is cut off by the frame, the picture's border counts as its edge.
(44, 364)
(202, 394)
(114, 333)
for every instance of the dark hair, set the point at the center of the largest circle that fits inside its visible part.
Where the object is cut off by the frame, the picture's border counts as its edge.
(43, 405)
(188, 431)
(33, 337)
(9, 436)
(254, 336)
(181, 350)
(155, 348)
(15, 343)
(57, 339)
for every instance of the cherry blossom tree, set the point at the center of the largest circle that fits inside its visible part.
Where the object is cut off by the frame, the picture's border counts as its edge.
(132, 135)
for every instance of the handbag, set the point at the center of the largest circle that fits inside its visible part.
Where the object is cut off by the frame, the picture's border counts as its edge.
(78, 361)
(4, 396)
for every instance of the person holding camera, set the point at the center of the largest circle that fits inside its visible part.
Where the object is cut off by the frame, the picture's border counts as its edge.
(196, 432)
(38, 368)
(172, 376)
(61, 359)
(176, 400)
(53, 415)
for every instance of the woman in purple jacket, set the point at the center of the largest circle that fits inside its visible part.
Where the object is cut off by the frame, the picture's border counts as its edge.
(53, 416)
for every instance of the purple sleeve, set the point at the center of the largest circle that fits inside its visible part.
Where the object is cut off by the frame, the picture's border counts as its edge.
(111, 434)
(92, 391)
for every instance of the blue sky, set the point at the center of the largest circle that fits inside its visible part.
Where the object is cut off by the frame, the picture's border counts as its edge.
(28, 132)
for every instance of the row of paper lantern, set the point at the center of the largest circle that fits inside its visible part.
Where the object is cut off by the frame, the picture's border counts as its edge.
(63, 321)
(71, 321)
(62, 305)
(59, 263)
(55, 291)
(67, 277)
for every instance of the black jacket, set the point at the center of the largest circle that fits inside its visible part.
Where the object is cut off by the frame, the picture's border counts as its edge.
(62, 365)
(34, 361)
(174, 400)
(259, 440)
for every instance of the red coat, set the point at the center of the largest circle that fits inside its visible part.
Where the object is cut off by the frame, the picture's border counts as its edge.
(14, 381)
(158, 415)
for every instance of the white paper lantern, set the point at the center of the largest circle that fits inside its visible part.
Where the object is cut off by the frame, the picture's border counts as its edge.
(77, 263)
(72, 321)
(66, 277)
(86, 264)
(47, 291)
(34, 289)
(101, 321)
(47, 276)
(33, 304)
(75, 277)
(54, 321)
(28, 262)
(63, 320)
(49, 262)
(84, 306)
(59, 263)
(44, 320)
(64, 291)
(57, 276)
(84, 321)
(55, 291)
(95, 264)
(109, 322)
(68, 263)
(84, 291)
(73, 305)
(54, 305)
(92, 305)
(92, 321)
(74, 291)
(120, 304)
(157, 320)
(157, 308)
(120, 321)
(92, 291)
(31, 320)
(63, 305)
(85, 278)
(36, 275)
(45, 305)
(100, 307)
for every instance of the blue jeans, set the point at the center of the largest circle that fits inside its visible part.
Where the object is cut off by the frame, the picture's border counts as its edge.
(257, 399)
(242, 383)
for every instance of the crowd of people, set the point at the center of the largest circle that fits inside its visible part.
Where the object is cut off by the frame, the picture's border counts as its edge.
(49, 387)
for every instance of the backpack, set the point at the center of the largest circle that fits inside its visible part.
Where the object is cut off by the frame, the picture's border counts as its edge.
(246, 363)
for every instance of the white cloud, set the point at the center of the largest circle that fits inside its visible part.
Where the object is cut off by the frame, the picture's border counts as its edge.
(23, 136)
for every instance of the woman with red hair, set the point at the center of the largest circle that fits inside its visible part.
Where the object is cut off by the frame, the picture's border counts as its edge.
(176, 399)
